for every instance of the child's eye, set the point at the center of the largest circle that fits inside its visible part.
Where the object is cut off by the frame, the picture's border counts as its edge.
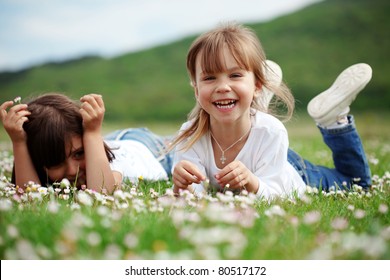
(236, 75)
(208, 78)
(78, 154)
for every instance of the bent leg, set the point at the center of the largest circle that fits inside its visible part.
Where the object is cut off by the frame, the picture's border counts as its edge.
(318, 176)
(351, 165)
(348, 153)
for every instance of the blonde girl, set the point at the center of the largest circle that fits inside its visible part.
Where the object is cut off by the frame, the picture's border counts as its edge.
(232, 140)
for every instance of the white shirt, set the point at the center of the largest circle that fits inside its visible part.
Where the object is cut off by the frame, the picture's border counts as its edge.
(264, 154)
(133, 160)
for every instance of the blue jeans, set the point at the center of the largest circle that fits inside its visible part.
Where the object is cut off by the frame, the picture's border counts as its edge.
(155, 143)
(351, 165)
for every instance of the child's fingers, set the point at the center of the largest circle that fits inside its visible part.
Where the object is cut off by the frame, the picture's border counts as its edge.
(90, 107)
(96, 100)
(180, 182)
(185, 174)
(233, 174)
(13, 121)
(88, 99)
(6, 104)
(86, 107)
(3, 109)
(195, 175)
(181, 177)
(20, 122)
(3, 114)
(99, 100)
(15, 113)
(18, 119)
(93, 106)
(18, 108)
(92, 95)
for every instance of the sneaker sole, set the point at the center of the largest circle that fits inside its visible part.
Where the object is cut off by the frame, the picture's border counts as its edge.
(349, 83)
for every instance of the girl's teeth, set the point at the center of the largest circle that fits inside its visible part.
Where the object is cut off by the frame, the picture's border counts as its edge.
(225, 104)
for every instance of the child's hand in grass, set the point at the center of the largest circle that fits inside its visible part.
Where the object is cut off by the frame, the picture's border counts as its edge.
(185, 174)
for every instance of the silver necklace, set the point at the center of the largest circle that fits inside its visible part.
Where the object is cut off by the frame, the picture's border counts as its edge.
(223, 158)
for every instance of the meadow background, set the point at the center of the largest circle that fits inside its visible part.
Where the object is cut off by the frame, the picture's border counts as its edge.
(151, 88)
(312, 46)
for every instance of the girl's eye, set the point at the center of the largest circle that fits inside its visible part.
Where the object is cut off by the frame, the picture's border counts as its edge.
(236, 75)
(78, 154)
(208, 78)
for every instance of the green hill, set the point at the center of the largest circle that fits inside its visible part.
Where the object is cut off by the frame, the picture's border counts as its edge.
(312, 46)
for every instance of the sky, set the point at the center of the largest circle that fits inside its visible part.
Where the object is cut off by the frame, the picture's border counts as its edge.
(33, 32)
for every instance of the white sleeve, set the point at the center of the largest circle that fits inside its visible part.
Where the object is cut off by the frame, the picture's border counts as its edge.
(271, 166)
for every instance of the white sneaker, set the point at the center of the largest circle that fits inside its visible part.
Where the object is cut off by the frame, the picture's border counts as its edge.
(274, 74)
(332, 104)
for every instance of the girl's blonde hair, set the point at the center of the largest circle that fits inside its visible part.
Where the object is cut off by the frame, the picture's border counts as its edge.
(246, 49)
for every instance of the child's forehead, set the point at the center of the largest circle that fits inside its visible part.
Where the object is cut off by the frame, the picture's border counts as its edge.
(74, 143)
(220, 60)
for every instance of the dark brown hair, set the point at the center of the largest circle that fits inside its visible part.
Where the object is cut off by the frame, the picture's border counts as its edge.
(54, 120)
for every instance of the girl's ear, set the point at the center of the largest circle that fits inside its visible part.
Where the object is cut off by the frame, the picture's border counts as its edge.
(258, 86)
(193, 84)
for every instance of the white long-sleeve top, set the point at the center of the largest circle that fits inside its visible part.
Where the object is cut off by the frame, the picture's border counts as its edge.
(264, 154)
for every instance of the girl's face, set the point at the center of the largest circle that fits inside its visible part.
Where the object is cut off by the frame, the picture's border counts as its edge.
(226, 96)
(73, 168)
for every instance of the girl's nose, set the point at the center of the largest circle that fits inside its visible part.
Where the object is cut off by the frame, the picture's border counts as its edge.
(223, 87)
(72, 168)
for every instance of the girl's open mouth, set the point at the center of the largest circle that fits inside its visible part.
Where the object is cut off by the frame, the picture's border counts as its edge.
(225, 104)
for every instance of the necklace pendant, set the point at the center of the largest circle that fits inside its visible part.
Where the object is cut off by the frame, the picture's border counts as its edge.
(223, 158)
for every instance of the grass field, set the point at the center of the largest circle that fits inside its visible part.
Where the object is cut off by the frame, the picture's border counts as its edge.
(145, 221)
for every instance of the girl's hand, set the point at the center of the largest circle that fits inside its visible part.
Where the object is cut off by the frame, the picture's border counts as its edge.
(13, 120)
(238, 176)
(92, 110)
(184, 174)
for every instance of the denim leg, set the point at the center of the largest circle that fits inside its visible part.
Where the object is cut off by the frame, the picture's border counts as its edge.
(348, 154)
(155, 143)
(348, 157)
